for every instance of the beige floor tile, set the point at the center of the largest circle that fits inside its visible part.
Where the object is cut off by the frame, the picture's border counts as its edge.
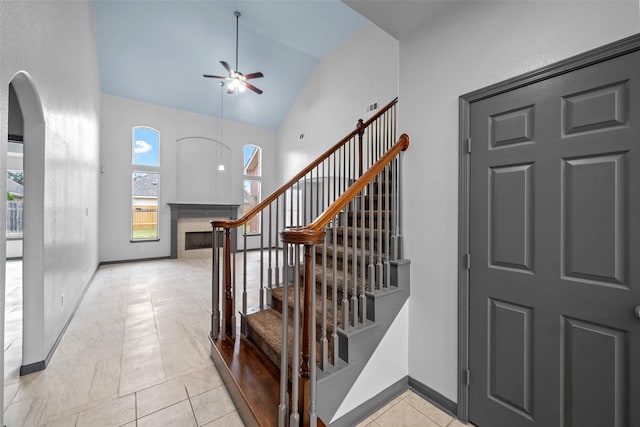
(184, 355)
(178, 415)
(458, 423)
(229, 420)
(384, 409)
(365, 422)
(114, 413)
(139, 325)
(68, 421)
(25, 413)
(81, 340)
(404, 415)
(136, 379)
(160, 396)
(212, 405)
(202, 380)
(440, 417)
(406, 394)
(140, 350)
(105, 379)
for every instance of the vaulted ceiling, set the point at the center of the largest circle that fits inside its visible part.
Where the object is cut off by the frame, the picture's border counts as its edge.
(157, 50)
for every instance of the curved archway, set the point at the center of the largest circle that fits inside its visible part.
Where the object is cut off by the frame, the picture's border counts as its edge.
(33, 357)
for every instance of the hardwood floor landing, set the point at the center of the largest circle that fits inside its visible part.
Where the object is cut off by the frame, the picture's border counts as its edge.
(252, 381)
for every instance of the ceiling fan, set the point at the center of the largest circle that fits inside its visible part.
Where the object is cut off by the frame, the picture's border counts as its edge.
(237, 80)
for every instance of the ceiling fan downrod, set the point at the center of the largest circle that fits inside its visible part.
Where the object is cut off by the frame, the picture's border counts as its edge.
(237, 15)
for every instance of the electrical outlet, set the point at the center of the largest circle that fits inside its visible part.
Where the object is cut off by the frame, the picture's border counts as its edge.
(301, 137)
(62, 300)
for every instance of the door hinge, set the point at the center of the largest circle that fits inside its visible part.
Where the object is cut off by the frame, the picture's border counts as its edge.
(467, 261)
(469, 145)
(466, 377)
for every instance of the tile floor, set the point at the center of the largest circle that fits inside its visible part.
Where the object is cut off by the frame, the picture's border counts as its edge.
(136, 354)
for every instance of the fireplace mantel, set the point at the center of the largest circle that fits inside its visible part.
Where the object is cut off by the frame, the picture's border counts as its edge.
(198, 210)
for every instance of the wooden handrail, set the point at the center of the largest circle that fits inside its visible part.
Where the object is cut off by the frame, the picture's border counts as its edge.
(314, 232)
(229, 223)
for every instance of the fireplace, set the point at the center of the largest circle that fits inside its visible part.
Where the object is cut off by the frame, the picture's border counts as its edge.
(198, 240)
(194, 220)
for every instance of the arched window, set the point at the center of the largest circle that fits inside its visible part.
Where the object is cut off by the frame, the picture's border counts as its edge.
(252, 169)
(145, 183)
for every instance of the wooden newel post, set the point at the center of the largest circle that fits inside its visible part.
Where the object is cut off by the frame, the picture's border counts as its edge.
(309, 238)
(229, 315)
(305, 364)
(360, 127)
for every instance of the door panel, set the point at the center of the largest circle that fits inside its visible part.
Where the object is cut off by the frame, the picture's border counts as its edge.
(510, 351)
(594, 244)
(510, 217)
(598, 382)
(554, 222)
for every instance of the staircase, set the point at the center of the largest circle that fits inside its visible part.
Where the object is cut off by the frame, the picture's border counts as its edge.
(338, 252)
(334, 282)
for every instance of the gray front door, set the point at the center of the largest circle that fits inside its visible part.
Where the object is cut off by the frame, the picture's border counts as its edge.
(555, 251)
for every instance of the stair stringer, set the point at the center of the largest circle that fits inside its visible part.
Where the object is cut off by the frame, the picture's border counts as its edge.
(362, 344)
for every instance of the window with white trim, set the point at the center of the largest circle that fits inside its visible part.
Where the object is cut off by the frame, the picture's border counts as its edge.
(145, 183)
(252, 186)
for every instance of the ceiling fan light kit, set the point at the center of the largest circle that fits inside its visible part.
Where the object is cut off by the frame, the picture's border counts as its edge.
(237, 80)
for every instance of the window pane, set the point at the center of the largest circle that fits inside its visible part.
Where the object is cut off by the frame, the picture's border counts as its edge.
(252, 160)
(144, 217)
(145, 147)
(15, 196)
(251, 198)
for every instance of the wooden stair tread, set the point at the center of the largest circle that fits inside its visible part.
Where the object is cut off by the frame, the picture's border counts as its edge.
(248, 376)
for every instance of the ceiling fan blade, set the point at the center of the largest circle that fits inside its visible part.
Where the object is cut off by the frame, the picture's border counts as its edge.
(213, 77)
(226, 66)
(252, 87)
(253, 75)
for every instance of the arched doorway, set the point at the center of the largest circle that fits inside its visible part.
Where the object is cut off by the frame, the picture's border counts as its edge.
(33, 139)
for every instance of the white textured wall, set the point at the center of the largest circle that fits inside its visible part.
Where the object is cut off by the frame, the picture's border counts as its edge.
(362, 70)
(119, 116)
(54, 42)
(465, 47)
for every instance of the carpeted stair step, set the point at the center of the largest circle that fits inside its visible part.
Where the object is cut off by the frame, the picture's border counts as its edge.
(380, 219)
(340, 256)
(370, 235)
(375, 201)
(381, 187)
(277, 296)
(339, 278)
(264, 329)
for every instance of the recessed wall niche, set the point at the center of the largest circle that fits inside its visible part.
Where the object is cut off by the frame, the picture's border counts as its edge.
(203, 171)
